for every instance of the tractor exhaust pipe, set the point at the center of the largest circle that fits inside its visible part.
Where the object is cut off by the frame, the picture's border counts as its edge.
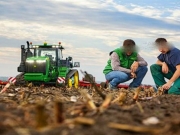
(28, 49)
(28, 53)
(21, 67)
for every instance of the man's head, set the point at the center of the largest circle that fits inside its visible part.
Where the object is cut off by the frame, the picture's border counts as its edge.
(129, 46)
(162, 45)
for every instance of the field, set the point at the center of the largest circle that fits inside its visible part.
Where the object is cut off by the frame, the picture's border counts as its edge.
(62, 111)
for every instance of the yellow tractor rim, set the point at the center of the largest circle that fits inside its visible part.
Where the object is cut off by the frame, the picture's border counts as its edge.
(76, 80)
(69, 83)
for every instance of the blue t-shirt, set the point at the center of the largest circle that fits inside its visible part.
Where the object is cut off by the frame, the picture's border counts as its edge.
(171, 58)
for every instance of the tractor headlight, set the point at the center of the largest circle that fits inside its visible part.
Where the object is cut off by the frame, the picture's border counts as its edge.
(40, 61)
(29, 61)
(35, 46)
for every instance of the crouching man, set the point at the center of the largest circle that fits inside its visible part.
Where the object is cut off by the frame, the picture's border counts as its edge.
(167, 66)
(125, 64)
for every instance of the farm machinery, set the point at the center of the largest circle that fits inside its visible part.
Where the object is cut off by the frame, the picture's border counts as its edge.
(45, 64)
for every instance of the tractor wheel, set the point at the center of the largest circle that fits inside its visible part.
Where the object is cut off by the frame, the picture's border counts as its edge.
(20, 80)
(76, 80)
(70, 83)
(73, 81)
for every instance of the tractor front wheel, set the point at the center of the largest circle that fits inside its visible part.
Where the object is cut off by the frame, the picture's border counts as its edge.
(73, 81)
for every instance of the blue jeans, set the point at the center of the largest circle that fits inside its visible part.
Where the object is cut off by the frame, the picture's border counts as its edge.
(117, 77)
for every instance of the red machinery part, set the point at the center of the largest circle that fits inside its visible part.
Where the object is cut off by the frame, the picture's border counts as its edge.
(3, 82)
(84, 83)
(88, 84)
(10, 80)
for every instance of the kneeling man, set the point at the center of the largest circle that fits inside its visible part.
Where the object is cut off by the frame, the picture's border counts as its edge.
(124, 64)
(167, 66)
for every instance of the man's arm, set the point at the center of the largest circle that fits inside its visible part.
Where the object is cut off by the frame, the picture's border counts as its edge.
(173, 78)
(141, 61)
(115, 63)
(165, 68)
(176, 74)
(159, 62)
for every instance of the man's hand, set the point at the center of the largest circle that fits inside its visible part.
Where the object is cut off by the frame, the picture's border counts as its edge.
(167, 85)
(165, 68)
(133, 75)
(134, 66)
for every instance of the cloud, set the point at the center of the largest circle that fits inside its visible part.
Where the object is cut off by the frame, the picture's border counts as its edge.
(87, 3)
(88, 56)
(21, 30)
(147, 11)
(151, 54)
(174, 15)
(156, 12)
(111, 36)
(9, 55)
(6, 51)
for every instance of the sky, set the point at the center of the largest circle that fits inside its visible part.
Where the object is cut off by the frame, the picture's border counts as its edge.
(88, 29)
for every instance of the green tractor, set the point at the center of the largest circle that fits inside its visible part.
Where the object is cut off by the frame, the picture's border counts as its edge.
(45, 64)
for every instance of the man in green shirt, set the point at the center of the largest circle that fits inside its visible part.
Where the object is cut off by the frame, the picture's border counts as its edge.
(125, 64)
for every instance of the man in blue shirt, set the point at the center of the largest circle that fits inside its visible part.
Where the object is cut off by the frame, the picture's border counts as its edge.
(167, 66)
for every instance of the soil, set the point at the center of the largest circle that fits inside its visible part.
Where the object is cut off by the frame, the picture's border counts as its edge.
(20, 106)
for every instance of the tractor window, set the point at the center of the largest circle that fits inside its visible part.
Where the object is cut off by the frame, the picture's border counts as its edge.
(46, 52)
(59, 54)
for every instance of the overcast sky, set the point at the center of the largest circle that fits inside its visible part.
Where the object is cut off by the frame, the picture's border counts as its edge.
(88, 29)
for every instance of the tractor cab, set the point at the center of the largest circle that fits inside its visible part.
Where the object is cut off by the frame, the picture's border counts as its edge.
(54, 53)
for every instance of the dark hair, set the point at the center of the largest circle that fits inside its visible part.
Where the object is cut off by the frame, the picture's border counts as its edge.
(128, 42)
(160, 40)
